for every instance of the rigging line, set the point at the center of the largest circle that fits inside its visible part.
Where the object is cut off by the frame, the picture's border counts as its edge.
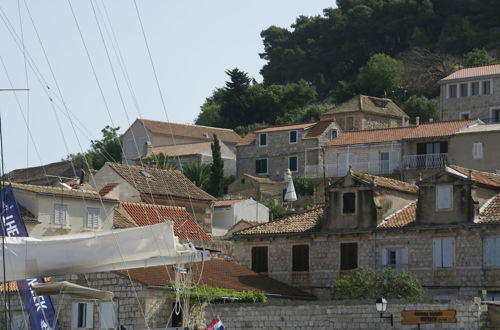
(27, 80)
(5, 306)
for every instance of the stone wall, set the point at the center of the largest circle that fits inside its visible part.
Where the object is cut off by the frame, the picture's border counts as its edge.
(337, 315)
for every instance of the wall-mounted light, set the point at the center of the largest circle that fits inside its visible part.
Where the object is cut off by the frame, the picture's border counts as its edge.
(381, 305)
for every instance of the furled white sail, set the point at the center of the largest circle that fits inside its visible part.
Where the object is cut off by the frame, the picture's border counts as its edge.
(154, 245)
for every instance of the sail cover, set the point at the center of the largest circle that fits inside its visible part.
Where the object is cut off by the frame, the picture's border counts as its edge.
(154, 245)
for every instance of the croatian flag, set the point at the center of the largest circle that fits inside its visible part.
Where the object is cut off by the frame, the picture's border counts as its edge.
(216, 324)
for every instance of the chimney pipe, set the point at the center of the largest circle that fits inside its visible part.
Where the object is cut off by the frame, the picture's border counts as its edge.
(417, 120)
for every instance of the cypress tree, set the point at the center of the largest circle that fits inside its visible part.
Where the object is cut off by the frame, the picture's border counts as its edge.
(216, 183)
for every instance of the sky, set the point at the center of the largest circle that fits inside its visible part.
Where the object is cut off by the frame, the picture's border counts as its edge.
(71, 97)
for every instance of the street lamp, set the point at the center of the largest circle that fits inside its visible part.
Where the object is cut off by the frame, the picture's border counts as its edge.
(381, 305)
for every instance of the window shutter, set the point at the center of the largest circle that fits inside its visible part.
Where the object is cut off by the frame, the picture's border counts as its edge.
(74, 315)
(384, 257)
(438, 261)
(108, 316)
(89, 316)
(447, 245)
(373, 162)
(393, 160)
(443, 196)
(342, 164)
(489, 251)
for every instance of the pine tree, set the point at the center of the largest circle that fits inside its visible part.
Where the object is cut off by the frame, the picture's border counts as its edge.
(216, 182)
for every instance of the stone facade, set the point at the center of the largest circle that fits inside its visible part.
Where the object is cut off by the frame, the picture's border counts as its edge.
(345, 315)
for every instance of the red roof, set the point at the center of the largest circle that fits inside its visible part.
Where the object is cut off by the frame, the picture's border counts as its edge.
(148, 214)
(474, 72)
(490, 212)
(403, 218)
(217, 273)
(107, 188)
(485, 178)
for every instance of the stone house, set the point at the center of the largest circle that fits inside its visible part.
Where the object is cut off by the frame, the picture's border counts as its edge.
(229, 211)
(476, 147)
(367, 112)
(444, 231)
(131, 183)
(159, 133)
(270, 151)
(61, 210)
(49, 174)
(257, 188)
(471, 93)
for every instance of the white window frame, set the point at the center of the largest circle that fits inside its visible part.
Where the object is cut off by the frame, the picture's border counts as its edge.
(463, 113)
(267, 166)
(88, 310)
(401, 257)
(477, 150)
(440, 188)
(289, 158)
(64, 208)
(492, 252)
(259, 139)
(443, 250)
(95, 221)
(296, 137)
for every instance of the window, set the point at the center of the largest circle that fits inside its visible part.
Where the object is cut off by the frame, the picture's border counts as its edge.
(464, 90)
(477, 150)
(60, 214)
(495, 115)
(474, 88)
(396, 258)
(348, 256)
(426, 148)
(384, 161)
(109, 315)
(333, 134)
(464, 115)
(292, 137)
(452, 91)
(443, 252)
(82, 315)
(259, 259)
(261, 166)
(492, 252)
(492, 296)
(444, 195)
(349, 123)
(93, 217)
(300, 258)
(486, 87)
(263, 140)
(393, 123)
(349, 203)
(293, 163)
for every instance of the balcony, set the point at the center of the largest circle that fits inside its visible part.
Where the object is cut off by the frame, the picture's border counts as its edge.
(427, 161)
(339, 170)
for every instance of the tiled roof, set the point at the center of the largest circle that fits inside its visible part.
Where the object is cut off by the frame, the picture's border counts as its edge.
(433, 129)
(403, 218)
(364, 103)
(38, 174)
(381, 181)
(191, 131)
(121, 219)
(490, 213)
(217, 273)
(27, 215)
(184, 149)
(474, 72)
(480, 129)
(485, 178)
(262, 180)
(107, 188)
(228, 202)
(56, 191)
(315, 130)
(303, 222)
(184, 226)
(160, 182)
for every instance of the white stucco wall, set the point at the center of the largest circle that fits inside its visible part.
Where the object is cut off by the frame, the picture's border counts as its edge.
(226, 217)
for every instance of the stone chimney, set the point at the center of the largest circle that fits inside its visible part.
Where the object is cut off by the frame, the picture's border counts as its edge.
(417, 120)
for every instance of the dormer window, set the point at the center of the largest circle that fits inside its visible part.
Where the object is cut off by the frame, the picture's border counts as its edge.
(292, 137)
(263, 140)
(333, 134)
(444, 195)
(349, 203)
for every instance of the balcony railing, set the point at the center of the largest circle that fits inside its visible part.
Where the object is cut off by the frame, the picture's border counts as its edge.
(427, 161)
(336, 170)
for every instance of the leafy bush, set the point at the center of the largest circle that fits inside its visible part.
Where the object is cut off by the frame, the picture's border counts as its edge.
(368, 283)
(276, 209)
(303, 186)
(204, 293)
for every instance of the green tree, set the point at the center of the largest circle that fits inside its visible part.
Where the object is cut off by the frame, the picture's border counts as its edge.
(422, 107)
(381, 76)
(161, 160)
(198, 173)
(276, 210)
(365, 282)
(216, 180)
(233, 101)
(477, 57)
(303, 186)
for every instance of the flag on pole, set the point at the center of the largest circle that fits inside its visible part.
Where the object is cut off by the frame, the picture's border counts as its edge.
(216, 324)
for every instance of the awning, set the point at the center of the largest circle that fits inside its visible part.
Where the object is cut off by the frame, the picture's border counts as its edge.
(56, 288)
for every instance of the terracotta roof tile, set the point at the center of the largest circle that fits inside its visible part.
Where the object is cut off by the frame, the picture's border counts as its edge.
(228, 202)
(248, 139)
(56, 191)
(393, 184)
(403, 218)
(121, 219)
(485, 178)
(318, 129)
(217, 273)
(490, 213)
(161, 182)
(191, 131)
(364, 103)
(147, 214)
(433, 129)
(107, 188)
(314, 132)
(261, 179)
(303, 222)
(474, 72)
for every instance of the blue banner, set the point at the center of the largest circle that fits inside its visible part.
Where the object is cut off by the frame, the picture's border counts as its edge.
(39, 308)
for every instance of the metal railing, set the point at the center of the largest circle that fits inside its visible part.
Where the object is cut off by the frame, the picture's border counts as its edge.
(336, 170)
(424, 161)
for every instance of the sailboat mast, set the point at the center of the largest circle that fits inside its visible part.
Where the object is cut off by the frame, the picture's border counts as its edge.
(5, 305)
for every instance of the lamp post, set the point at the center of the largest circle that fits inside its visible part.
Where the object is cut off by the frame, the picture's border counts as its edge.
(381, 305)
